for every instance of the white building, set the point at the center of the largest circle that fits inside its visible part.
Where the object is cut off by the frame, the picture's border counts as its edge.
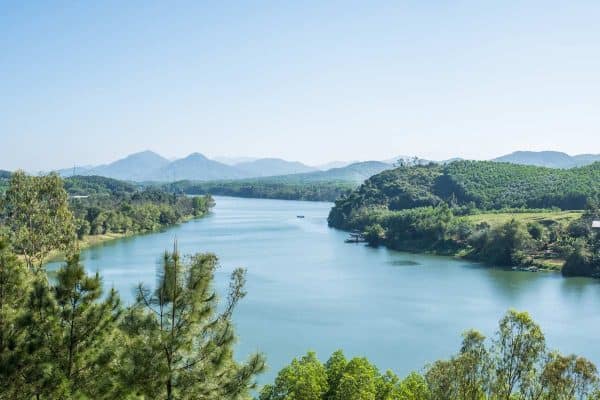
(596, 224)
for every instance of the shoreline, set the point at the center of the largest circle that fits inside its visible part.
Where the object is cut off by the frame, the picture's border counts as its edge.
(90, 241)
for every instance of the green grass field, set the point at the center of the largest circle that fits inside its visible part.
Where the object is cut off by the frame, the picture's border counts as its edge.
(543, 217)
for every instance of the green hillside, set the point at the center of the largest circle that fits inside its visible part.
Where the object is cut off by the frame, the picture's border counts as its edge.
(484, 185)
(499, 213)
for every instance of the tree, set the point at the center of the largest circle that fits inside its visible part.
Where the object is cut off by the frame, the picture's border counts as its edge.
(335, 368)
(178, 346)
(304, 379)
(374, 234)
(568, 377)
(514, 366)
(506, 242)
(358, 381)
(465, 376)
(70, 336)
(518, 348)
(413, 387)
(14, 279)
(472, 367)
(35, 208)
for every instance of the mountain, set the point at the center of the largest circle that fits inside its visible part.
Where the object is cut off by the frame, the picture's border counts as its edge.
(335, 164)
(198, 168)
(272, 166)
(148, 166)
(355, 173)
(234, 160)
(585, 159)
(551, 159)
(134, 167)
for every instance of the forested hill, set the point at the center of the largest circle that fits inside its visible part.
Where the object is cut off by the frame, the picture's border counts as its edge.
(97, 185)
(478, 184)
(498, 213)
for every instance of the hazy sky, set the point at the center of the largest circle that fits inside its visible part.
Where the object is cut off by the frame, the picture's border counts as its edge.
(89, 82)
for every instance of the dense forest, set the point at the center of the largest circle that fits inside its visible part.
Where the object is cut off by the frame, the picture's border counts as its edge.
(103, 205)
(99, 206)
(499, 213)
(265, 189)
(66, 338)
(483, 185)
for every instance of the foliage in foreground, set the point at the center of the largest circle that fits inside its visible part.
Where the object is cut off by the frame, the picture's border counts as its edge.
(65, 340)
(35, 213)
(514, 365)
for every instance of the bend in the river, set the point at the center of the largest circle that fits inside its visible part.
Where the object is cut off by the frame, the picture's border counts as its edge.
(307, 289)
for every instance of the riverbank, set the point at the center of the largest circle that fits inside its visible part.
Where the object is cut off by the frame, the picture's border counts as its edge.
(89, 241)
(530, 240)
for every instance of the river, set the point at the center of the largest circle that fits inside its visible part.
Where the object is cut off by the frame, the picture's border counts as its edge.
(308, 290)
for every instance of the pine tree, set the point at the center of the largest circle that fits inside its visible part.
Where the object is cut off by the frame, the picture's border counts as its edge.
(179, 346)
(14, 277)
(70, 336)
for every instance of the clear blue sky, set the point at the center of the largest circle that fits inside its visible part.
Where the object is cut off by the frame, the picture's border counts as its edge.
(85, 83)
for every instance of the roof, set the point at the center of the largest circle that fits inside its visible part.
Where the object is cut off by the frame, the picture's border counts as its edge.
(595, 224)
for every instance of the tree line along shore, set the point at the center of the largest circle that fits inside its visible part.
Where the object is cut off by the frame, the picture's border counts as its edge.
(498, 213)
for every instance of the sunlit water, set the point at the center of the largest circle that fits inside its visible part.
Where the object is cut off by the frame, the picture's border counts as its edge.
(308, 290)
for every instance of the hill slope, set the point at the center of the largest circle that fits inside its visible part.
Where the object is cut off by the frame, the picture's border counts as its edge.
(272, 166)
(551, 159)
(483, 184)
(134, 167)
(196, 167)
(355, 173)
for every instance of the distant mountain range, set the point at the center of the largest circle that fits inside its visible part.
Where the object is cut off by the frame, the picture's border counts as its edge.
(273, 166)
(355, 173)
(551, 159)
(148, 166)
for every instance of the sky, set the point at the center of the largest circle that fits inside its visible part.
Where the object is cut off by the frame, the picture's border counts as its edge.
(90, 82)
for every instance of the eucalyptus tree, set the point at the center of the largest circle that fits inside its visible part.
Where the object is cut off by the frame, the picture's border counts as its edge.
(179, 346)
(518, 351)
(305, 378)
(36, 211)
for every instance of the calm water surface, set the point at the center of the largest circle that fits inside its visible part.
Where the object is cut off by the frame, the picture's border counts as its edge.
(307, 289)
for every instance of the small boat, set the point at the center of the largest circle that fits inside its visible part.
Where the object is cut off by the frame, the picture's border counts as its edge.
(299, 216)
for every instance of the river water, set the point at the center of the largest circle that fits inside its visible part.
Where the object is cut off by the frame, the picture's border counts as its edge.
(308, 290)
